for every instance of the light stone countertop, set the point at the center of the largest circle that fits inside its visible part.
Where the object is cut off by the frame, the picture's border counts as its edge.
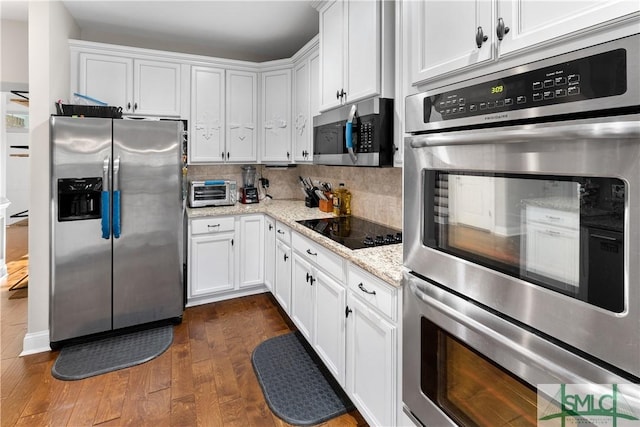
(569, 204)
(384, 262)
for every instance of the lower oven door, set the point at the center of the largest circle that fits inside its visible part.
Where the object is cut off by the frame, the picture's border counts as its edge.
(463, 365)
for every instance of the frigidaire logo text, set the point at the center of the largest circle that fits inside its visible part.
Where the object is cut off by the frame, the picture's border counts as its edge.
(584, 404)
(496, 117)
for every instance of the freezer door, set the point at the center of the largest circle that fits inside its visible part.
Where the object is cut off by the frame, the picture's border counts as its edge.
(80, 293)
(147, 266)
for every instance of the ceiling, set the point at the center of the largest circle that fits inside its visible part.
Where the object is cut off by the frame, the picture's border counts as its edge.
(238, 29)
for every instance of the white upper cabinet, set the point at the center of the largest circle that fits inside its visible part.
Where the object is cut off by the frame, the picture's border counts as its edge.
(448, 38)
(276, 116)
(356, 49)
(107, 78)
(535, 22)
(445, 32)
(306, 95)
(206, 139)
(241, 116)
(331, 54)
(302, 121)
(139, 86)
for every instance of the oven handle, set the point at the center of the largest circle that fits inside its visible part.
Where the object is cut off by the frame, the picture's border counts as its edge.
(530, 356)
(531, 133)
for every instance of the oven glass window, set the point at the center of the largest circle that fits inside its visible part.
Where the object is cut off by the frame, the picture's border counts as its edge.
(470, 388)
(563, 233)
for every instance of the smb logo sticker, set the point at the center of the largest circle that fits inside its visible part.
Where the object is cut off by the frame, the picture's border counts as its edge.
(593, 405)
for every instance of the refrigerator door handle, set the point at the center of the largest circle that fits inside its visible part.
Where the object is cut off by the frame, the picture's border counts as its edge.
(116, 198)
(105, 199)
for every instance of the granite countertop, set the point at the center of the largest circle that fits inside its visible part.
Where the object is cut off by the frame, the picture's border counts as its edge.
(384, 262)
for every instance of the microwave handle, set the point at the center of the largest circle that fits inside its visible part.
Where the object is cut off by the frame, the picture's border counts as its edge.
(348, 134)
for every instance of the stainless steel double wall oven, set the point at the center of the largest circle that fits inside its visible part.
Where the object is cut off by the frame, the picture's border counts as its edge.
(522, 236)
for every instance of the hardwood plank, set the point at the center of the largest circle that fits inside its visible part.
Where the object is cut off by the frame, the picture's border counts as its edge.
(181, 379)
(110, 406)
(14, 404)
(233, 413)
(160, 372)
(86, 407)
(207, 409)
(183, 411)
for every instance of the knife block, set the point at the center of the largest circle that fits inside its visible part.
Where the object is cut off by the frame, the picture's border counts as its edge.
(325, 205)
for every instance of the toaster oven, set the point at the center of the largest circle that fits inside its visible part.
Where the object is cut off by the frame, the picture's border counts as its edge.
(212, 192)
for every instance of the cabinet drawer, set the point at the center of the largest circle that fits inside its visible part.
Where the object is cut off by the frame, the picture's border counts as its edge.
(283, 233)
(555, 217)
(323, 258)
(212, 225)
(373, 291)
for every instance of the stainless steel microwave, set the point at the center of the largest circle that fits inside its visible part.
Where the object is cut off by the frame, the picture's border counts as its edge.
(359, 134)
(212, 192)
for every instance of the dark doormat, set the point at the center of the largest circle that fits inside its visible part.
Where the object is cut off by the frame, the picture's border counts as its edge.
(110, 354)
(296, 385)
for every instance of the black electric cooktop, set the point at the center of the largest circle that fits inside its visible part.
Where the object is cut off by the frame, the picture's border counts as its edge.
(354, 232)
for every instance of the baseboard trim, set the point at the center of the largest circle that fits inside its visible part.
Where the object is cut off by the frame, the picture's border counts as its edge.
(37, 342)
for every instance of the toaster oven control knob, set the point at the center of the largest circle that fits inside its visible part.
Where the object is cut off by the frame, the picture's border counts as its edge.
(368, 241)
(379, 240)
(398, 237)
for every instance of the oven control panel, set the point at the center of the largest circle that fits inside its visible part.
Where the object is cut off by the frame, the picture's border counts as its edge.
(596, 76)
(584, 83)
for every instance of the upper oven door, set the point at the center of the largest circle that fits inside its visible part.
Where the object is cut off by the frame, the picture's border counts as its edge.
(538, 222)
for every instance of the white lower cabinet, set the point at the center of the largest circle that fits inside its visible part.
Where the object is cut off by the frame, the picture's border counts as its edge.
(211, 256)
(371, 363)
(226, 258)
(269, 252)
(251, 259)
(302, 296)
(282, 284)
(329, 324)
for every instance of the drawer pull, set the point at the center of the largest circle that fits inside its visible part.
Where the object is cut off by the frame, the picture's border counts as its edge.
(280, 231)
(311, 253)
(213, 226)
(365, 290)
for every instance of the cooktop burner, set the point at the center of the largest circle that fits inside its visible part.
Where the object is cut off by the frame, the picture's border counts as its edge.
(354, 232)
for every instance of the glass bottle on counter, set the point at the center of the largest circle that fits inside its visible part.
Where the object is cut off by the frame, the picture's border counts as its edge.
(342, 201)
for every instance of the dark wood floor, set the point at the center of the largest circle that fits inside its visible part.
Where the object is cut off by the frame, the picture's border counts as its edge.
(204, 379)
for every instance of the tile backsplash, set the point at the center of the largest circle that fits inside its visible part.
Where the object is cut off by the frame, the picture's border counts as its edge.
(376, 193)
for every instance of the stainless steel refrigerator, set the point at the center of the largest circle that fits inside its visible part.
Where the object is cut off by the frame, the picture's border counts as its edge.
(116, 223)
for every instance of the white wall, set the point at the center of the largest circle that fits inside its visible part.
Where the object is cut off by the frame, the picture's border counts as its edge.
(50, 26)
(14, 52)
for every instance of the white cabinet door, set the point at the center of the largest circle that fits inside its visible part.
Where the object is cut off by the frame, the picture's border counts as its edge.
(251, 260)
(553, 252)
(302, 305)
(302, 121)
(282, 284)
(329, 333)
(314, 94)
(269, 252)
(107, 78)
(535, 22)
(472, 201)
(276, 116)
(371, 363)
(206, 140)
(363, 50)
(444, 36)
(211, 264)
(241, 115)
(156, 87)
(332, 47)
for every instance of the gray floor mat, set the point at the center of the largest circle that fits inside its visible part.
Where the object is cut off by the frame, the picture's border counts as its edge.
(296, 385)
(85, 360)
